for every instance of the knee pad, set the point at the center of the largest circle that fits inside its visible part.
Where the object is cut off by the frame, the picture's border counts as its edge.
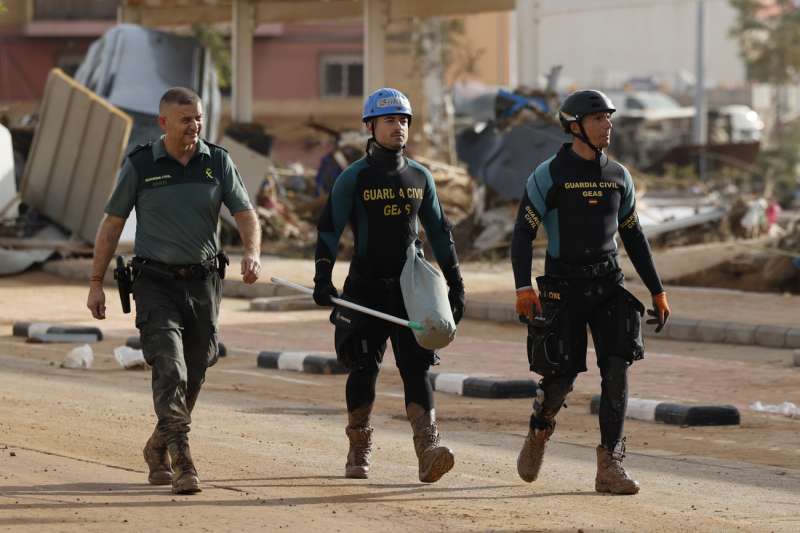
(550, 396)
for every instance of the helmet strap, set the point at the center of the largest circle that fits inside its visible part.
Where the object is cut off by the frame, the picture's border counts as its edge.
(585, 138)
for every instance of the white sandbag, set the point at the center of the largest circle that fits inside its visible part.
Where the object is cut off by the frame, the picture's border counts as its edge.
(80, 357)
(129, 358)
(425, 296)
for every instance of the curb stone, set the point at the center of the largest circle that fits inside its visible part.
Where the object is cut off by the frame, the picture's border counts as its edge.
(698, 330)
(136, 343)
(676, 328)
(772, 336)
(461, 384)
(677, 414)
(300, 302)
(300, 362)
(465, 385)
(43, 332)
(793, 338)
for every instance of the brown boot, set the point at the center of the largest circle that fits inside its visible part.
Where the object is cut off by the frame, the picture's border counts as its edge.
(434, 460)
(157, 458)
(360, 434)
(184, 478)
(611, 476)
(530, 457)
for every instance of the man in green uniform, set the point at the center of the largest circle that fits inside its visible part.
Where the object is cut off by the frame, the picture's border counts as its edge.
(177, 185)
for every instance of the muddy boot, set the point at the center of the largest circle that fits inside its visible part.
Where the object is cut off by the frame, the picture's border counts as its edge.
(157, 458)
(184, 477)
(434, 460)
(611, 476)
(530, 457)
(360, 434)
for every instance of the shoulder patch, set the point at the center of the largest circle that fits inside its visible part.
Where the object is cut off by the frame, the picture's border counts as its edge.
(139, 148)
(212, 145)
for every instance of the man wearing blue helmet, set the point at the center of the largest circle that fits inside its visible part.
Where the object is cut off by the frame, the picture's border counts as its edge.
(383, 196)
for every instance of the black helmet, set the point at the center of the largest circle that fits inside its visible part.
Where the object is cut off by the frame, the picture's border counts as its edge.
(581, 103)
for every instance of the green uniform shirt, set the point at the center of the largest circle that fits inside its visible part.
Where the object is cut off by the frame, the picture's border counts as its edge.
(177, 207)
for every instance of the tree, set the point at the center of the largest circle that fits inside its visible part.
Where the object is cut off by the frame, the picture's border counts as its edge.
(220, 52)
(768, 32)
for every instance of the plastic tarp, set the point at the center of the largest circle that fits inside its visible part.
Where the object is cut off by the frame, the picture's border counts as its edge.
(132, 67)
(504, 160)
(425, 296)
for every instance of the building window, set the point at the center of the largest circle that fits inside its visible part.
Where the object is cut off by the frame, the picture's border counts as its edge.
(74, 10)
(342, 76)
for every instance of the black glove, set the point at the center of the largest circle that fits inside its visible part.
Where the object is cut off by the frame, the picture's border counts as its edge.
(456, 298)
(324, 291)
(456, 293)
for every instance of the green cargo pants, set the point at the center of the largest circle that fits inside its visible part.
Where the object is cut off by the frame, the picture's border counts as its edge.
(177, 321)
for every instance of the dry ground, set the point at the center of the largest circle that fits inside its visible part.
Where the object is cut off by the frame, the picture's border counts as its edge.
(270, 445)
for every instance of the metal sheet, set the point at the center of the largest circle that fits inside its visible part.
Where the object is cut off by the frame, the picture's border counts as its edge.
(252, 166)
(8, 188)
(73, 164)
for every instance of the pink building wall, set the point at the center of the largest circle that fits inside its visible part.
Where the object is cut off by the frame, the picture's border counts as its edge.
(26, 61)
(288, 67)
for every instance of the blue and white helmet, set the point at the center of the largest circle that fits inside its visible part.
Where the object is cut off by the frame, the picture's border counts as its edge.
(386, 101)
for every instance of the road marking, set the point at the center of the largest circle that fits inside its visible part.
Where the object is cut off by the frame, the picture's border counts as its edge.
(647, 352)
(392, 394)
(270, 376)
(291, 361)
(642, 409)
(452, 383)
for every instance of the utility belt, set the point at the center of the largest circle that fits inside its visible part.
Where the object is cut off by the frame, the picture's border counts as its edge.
(559, 269)
(363, 277)
(187, 272)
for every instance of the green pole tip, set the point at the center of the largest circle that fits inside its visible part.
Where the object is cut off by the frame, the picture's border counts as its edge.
(415, 325)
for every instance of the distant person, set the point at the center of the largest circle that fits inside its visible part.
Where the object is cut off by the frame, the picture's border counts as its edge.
(582, 198)
(177, 185)
(383, 197)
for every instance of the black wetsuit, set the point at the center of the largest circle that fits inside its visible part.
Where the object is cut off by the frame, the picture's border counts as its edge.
(582, 204)
(382, 196)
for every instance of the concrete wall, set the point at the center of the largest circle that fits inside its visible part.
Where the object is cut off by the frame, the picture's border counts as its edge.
(487, 33)
(605, 42)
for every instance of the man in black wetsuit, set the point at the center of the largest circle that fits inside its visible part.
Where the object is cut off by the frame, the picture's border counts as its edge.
(381, 197)
(583, 198)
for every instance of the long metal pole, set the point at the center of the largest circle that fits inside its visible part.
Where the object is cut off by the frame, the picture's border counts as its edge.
(360, 308)
(700, 133)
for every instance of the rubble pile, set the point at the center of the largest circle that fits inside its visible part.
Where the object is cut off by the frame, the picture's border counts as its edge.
(770, 267)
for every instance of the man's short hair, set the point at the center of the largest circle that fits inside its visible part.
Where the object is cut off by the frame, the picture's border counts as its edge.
(179, 96)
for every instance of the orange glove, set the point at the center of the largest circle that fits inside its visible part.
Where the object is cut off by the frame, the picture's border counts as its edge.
(660, 311)
(528, 304)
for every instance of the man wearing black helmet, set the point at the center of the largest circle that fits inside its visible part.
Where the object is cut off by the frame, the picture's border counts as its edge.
(583, 199)
(383, 196)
